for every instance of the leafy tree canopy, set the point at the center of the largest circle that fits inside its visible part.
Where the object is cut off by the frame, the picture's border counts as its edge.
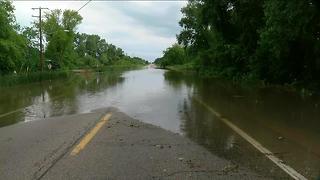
(275, 41)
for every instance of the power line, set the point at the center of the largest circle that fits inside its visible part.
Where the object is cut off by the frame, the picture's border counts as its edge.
(84, 5)
(41, 58)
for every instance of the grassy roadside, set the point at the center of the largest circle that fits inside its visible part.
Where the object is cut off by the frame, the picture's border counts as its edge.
(16, 79)
(183, 68)
(119, 67)
(245, 82)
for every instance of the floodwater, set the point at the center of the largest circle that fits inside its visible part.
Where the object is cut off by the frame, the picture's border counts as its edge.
(283, 122)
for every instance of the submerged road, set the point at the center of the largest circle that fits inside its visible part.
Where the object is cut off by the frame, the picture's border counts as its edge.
(211, 129)
(106, 144)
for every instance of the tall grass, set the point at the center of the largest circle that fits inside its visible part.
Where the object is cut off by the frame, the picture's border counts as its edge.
(122, 67)
(15, 79)
(188, 67)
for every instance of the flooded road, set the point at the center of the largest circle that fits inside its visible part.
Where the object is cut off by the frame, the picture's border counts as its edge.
(283, 122)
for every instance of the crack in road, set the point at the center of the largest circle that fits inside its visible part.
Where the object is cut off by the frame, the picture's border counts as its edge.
(38, 175)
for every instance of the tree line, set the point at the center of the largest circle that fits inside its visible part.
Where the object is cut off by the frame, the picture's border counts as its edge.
(65, 48)
(269, 40)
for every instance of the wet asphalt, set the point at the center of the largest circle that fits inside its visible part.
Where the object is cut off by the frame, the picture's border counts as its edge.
(124, 148)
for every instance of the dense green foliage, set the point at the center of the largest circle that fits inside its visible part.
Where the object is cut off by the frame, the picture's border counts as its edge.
(64, 47)
(12, 45)
(270, 40)
(59, 29)
(172, 55)
(93, 51)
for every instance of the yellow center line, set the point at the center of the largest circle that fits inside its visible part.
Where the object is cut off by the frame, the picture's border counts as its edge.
(84, 141)
(286, 168)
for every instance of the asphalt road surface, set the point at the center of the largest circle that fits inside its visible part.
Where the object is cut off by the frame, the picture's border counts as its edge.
(106, 144)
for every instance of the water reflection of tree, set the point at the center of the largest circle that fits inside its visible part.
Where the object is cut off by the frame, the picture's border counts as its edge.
(66, 101)
(52, 98)
(206, 129)
(197, 123)
(177, 79)
(100, 81)
(262, 113)
(15, 98)
(253, 106)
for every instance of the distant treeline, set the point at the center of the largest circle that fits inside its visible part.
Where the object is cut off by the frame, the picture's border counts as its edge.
(275, 41)
(65, 48)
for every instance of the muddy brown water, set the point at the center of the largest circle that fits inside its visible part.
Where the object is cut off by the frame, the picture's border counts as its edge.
(283, 122)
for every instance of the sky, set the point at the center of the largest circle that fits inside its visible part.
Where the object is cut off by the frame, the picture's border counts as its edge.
(141, 28)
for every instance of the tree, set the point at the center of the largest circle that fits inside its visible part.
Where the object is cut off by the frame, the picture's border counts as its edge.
(32, 52)
(80, 44)
(59, 28)
(289, 48)
(276, 41)
(65, 47)
(12, 44)
(97, 48)
(173, 55)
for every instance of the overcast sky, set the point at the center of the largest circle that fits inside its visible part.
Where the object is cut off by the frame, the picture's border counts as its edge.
(140, 28)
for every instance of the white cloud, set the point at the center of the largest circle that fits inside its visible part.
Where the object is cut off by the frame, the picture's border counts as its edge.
(141, 28)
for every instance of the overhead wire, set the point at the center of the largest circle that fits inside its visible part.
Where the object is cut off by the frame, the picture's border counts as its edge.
(84, 5)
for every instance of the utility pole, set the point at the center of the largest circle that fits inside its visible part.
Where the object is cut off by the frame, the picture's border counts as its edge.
(41, 61)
